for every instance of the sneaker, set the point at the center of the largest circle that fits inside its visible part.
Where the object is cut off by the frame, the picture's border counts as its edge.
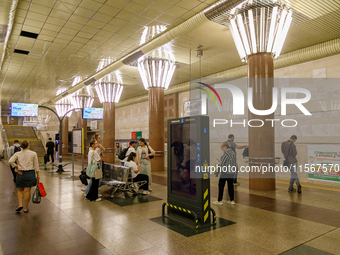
(291, 190)
(217, 203)
(84, 188)
(100, 195)
(140, 191)
(231, 202)
(145, 192)
(236, 183)
(299, 189)
(98, 199)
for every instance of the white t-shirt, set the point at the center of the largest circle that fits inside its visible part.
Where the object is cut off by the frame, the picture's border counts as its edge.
(99, 150)
(142, 152)
(131, 149)
(93, 155)
(27, 160)
(133, 167)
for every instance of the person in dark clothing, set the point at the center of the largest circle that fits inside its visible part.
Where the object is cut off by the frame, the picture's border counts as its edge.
(12, 150)
(289, 152)
(228, 169)
(234, 146)
(50, 149)
(179, 152)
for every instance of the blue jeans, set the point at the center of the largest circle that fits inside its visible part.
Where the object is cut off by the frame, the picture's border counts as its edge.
(293, 175)
(88, 187)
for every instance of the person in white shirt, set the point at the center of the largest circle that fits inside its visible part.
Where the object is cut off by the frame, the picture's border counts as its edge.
(100, 148)
(131, 149)
(27, 167)
(136, 175)
(93, 157)
(144, 151)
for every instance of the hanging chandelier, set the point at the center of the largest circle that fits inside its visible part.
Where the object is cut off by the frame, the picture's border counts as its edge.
(63, 106)
(82, 98)
(156, 72)
(109, 88)
(260, 26)
(108, 92)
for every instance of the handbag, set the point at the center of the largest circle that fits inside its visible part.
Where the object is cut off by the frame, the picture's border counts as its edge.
(90, 169)
(285, 162)
(98, 173)
(149, 152)
(42, 189)
(36, 198)
(46, 158)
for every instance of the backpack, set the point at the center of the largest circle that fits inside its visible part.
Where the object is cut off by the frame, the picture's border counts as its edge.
(16, 149)
(245, 152)
(122, 154)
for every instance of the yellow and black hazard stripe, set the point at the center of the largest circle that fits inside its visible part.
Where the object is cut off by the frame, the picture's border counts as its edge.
(185, 211)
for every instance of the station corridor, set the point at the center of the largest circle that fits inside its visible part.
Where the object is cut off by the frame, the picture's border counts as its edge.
(261, 222)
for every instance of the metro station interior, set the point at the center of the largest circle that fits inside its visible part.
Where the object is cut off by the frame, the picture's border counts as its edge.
(253, 85)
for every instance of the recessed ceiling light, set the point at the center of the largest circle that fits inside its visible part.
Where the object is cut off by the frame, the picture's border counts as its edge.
(25, 52)
(29, 34)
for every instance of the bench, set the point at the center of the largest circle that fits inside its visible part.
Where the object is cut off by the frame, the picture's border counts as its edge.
(120, 178)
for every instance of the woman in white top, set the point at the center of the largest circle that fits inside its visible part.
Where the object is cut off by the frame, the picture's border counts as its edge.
(93, 157)
(27, 167)
(143, 159)
(136, 175)
(100, 148)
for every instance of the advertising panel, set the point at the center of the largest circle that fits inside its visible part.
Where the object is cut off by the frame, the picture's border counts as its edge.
(24, 110)
(324, 162)
(90, 113)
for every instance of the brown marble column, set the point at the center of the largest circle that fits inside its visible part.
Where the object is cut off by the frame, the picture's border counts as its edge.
(261, 139)
(65, 136)
(83, 124)
(108, 139)
(156, 127)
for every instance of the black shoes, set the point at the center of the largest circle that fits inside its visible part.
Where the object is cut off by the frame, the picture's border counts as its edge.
(299, 189)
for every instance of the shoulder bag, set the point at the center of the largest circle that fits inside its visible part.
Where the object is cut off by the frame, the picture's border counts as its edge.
(285, 162)
(90, 169)
(98, 173)
(149, 152)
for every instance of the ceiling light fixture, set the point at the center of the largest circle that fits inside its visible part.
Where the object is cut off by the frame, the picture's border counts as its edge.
(260, 26)
(109, 88)
(63, 106)
(82, 98)
(156, 72)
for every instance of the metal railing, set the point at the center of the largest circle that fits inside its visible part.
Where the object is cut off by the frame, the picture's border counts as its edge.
(250, 160)
(40, 136)
(5, 141)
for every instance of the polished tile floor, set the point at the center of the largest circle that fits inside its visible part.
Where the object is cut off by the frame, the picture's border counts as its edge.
(275, 222)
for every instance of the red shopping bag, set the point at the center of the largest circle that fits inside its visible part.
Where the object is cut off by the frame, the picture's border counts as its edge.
(42, 189)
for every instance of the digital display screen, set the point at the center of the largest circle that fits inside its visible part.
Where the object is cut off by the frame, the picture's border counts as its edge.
(183, 160)
(24, 110)
(93, 113)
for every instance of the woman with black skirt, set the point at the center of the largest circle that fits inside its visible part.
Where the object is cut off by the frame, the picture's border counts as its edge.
(26, 165)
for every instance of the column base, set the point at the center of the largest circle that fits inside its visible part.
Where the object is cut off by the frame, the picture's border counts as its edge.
(264, 184)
